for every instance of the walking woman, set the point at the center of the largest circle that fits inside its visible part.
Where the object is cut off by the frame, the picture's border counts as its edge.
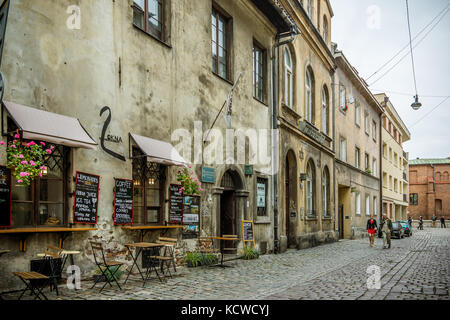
(371, 228)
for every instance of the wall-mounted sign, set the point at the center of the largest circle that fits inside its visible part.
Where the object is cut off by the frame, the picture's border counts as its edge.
(5, 197)
(311, 132)
(175, 204)
(114, 139)
(248, 169)
(123, 201)
(247, 232)
(85, 207)
(103, 137)
(261, 195)
(208, 175)
(191, 217)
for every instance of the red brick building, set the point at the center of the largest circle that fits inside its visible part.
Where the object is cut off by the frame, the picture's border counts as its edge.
(429, 188)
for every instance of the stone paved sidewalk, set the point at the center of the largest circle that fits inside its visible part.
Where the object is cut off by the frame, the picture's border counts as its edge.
(415, 268)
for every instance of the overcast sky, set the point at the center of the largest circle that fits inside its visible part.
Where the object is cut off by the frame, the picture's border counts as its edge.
(369, 42)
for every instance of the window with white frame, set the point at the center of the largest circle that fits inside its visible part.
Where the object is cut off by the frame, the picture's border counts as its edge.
(288, 79)
(374, 167)
(357, 114)
(367, 205)
(357, 157)
(325, 110)
(342, 97)
(374, 131)
(367, 123)
(358, 203)
(326, 192)
(343, 149)
(309, 96)
(375, 206)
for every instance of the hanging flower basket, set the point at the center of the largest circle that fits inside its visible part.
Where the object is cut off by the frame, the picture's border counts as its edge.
(190, 184)
(26, 159)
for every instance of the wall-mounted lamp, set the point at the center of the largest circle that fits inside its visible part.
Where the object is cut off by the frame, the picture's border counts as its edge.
(44, 171)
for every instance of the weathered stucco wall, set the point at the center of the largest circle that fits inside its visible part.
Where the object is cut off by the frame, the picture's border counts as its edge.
(152, 89)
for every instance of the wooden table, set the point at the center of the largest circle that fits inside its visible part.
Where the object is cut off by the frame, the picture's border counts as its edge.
(144, 229)
(222, 247)
(140, 246)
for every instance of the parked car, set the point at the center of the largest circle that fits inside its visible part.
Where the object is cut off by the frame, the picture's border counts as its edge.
(397, 230)
(406, 227)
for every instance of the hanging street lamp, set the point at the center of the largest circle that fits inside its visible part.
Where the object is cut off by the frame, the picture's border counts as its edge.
(416, 104)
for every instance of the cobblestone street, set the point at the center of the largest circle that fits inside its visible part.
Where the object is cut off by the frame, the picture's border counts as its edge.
(414, 268)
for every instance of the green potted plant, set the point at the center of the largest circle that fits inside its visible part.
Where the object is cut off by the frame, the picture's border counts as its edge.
(250, 253)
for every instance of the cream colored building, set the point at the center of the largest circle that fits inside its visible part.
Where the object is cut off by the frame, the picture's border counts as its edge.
(358, 150)
(395, 169)
(305, 118)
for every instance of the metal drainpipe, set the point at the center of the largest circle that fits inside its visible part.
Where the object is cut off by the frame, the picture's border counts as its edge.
(333, 101)
(275, 149)
(381, 165)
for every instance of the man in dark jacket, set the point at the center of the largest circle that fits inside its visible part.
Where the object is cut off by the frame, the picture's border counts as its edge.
(442, 222)
(420, 223)
(386, 228)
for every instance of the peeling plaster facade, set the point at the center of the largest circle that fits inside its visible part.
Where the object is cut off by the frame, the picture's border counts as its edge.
(152, 88)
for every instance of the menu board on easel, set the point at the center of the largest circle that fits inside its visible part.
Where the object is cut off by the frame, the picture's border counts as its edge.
(191, 217)
(5, 197)
(123, 201)
(247, 232)
(175, 204)
(85, 207)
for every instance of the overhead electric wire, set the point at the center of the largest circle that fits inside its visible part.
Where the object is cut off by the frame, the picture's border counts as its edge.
(411, 48)
(410, 94)
(407, 54)
(406, 46)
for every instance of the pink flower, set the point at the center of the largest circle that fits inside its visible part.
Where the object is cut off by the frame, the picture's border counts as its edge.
(21, 156)
(24, 162)
(43, 168)
(43, 143)
(17, 136)
(182, 188)
(2, 142)
(24, 174)
(190, 167)
(13, 146)
(48, 151)
(32, 143)
(40, 174)
(19, 181)
(32, 163)
(52, 147)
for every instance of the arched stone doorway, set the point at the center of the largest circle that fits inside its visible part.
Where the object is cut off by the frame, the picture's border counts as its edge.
(291, 207)
(230, 204)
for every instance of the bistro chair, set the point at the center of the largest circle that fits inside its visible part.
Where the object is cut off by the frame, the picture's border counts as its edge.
(152, 260)
(52, 260)
(205, 245)
(104, 266)
(169, 251)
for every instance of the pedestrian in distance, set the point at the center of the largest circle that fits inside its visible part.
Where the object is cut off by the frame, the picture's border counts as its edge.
(371, 229)
(386, 229)
(442, 222)
(420, 223)
(410, 221)
(433, 221)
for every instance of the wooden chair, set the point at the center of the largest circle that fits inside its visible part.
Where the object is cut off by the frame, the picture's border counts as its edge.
(104, 265)
(169, 251)
(231, 236)
(51, 265)
(205, 245)
(34, 282)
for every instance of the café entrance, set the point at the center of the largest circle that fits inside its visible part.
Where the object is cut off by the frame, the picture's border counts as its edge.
(229, 221)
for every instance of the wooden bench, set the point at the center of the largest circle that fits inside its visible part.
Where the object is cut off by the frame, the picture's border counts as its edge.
(34, 281)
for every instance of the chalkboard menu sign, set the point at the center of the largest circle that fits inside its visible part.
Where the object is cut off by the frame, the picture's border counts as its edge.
(85, 205)
(5, 197)
(247, 232)
(175, 204)
(123, 201)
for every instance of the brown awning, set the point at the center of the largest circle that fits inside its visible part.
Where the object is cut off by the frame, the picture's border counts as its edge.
(37, 124)
(158, 151)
